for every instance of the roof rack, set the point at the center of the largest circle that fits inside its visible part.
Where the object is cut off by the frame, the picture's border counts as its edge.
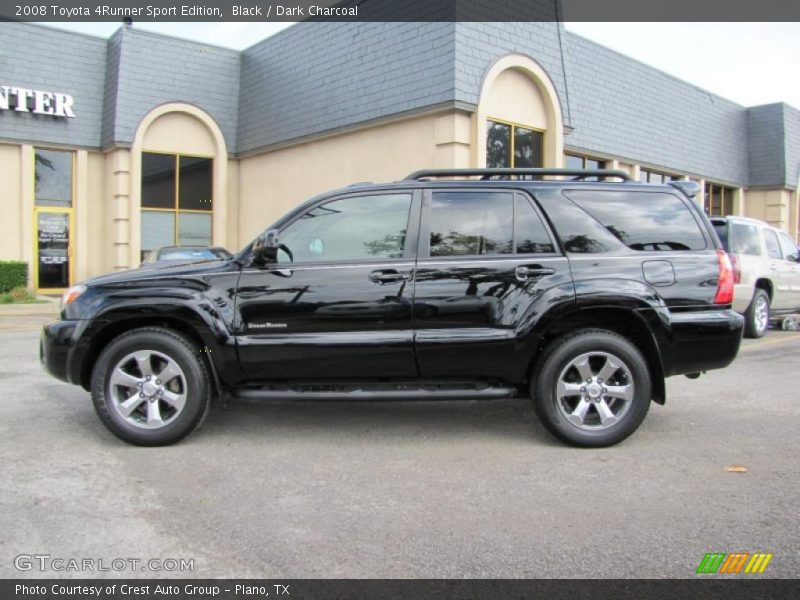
(690, 188)
(576, 174)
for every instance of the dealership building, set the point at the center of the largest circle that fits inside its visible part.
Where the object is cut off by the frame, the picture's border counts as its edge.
(112, 147)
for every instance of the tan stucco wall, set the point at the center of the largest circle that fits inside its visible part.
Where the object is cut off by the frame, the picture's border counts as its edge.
(11, 225)
(179, 133)
(772, 206)
(272, 183)
(99, 233)
(514, 97)
(517, 89)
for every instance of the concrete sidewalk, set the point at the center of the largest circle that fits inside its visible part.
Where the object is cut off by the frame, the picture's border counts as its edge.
(50, 308)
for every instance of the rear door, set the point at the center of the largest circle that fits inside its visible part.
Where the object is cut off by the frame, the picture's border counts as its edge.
(791, 269)
(488, 267)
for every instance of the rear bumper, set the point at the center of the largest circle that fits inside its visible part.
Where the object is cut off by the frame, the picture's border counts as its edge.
(701, 341)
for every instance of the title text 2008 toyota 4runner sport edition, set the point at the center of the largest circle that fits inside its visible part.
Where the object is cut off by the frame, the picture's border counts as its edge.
(582, 291)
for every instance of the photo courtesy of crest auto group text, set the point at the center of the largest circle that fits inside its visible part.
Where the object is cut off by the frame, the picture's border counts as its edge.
(379, 299)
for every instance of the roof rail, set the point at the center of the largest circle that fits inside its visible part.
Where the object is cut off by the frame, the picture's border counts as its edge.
(576, 174)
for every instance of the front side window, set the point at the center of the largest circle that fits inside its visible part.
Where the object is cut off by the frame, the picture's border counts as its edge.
(788, 247)
(644, 221)
(358, 228)
(509, 145)
(773, 246)
(53, 175)
(177, 204)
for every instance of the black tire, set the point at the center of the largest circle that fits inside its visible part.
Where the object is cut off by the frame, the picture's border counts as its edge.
(555, 362)
(194, 382)
(753, 326)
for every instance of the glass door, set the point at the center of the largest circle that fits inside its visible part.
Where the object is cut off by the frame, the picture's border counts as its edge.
(52, 250)
(52, 220)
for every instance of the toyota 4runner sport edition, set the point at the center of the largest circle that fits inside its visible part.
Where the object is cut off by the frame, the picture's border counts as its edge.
(583, 292)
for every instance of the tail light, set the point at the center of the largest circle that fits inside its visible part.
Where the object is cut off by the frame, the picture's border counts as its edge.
(737, 271)
(724, 293)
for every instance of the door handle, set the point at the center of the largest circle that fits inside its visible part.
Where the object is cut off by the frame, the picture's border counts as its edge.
(773, 266)
(382, 276)
(523, 272)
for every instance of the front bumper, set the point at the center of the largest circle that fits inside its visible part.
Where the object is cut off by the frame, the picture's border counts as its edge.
(56, 345)
(701, 341)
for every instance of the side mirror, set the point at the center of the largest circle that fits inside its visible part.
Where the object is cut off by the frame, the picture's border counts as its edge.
(265, 248)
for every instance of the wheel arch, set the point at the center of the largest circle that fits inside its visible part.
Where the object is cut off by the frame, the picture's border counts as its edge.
(115, 325)
(623, 321)
(765, 284)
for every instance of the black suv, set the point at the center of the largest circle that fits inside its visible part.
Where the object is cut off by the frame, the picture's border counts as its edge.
(581, 291)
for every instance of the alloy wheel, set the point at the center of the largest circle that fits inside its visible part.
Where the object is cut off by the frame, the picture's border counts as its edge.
(595, 390)
(761, 314)
(147, 389)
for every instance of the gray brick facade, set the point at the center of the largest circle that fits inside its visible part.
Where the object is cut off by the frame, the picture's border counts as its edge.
(317, 77)
(155, 69)
(320, 77)
(45, 59)
(624, 108)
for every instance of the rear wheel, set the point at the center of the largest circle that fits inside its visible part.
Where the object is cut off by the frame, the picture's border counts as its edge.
(756, 318)
(150, 387)
(591, 388)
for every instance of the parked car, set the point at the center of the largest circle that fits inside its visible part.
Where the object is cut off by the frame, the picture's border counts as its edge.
(766, 272)
(582, 294)
(186, 254)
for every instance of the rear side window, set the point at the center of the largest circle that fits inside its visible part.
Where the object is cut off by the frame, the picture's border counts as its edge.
(529, 232)
(773, 247)
(472, 223)
(745, 239)
(643, 221)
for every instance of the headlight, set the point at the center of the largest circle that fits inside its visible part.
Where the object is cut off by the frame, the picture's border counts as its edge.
(72, 294)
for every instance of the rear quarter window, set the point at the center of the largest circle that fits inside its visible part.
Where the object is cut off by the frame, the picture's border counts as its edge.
(721, 227)
(745, 239)
(643, 221)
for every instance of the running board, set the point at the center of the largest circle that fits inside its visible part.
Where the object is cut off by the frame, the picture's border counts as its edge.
(366, 394)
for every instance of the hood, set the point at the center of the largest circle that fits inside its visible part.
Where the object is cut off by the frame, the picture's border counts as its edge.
(164, 271)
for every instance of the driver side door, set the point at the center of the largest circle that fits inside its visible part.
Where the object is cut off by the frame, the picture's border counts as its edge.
(338, 304)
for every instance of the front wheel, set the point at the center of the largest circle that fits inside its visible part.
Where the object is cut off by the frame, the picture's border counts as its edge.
(591, 388)
(150, 387)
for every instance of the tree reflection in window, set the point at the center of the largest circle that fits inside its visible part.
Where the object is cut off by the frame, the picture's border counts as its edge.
(498, 145)
(350, 229)
(471, 223)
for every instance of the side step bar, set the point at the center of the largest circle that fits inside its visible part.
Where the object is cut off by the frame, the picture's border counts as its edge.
(358, 395)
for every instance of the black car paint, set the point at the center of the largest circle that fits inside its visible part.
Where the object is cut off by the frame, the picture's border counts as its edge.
(446, 318)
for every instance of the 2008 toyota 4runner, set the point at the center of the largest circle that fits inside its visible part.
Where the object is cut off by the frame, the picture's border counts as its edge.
(585, 291)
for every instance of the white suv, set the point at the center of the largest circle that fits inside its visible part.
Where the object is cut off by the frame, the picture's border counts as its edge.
(766, 271)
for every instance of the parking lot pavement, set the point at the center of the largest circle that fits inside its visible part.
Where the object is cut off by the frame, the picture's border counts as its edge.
(447, 489)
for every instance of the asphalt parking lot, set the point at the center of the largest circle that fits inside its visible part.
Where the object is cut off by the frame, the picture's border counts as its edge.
(447, 489)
